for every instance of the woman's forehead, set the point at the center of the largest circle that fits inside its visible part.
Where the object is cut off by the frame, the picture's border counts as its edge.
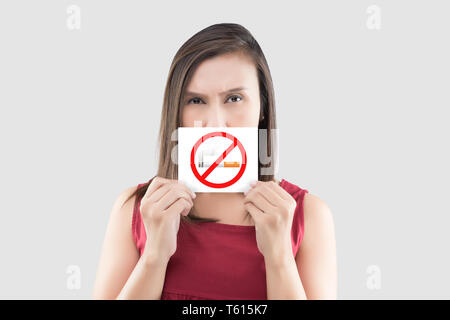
(220, 74)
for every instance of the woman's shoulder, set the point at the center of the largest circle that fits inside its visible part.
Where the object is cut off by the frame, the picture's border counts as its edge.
(126, 197)
(309, 199)
(292, 188)
(314, 207)
(314, 201)
(318, 218)
(124, 204)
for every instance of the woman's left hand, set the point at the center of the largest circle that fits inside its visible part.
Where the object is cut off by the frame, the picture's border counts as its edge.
(272, 210)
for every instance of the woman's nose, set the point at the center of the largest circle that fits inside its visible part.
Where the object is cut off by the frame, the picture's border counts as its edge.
(216, 117)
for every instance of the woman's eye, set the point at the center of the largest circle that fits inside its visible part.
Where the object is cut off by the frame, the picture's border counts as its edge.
(234, 97)
(194, 100)
(199, 101)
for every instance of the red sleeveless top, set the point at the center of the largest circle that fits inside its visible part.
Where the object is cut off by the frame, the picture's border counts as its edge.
(218, 261)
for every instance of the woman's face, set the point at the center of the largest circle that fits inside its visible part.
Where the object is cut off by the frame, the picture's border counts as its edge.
(223, 92)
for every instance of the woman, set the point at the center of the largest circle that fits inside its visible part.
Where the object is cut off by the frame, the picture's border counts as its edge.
(218, 245)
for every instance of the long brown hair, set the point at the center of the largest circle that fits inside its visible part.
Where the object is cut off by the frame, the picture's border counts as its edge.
(212, 41)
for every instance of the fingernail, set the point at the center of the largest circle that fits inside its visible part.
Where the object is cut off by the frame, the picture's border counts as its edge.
(193, 195)
(253, 183)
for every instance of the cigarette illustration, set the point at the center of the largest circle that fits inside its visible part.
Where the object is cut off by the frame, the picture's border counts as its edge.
(224, 164)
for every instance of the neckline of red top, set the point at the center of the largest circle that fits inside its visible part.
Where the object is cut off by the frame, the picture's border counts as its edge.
(234, 227)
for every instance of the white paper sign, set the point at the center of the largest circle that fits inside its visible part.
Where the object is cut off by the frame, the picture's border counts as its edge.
(218, 159)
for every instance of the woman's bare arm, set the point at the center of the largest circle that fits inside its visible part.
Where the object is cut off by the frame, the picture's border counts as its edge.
(121, 273)
(316, 257)
(147, 279)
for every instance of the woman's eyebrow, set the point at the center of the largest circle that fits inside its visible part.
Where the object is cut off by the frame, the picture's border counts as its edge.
(190, 93)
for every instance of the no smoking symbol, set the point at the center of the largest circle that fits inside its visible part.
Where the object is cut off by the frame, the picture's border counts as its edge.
(235, 143)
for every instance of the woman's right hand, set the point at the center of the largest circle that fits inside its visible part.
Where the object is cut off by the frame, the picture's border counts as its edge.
(161, 207)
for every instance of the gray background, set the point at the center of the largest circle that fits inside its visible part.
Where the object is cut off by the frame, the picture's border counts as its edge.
(362, 115)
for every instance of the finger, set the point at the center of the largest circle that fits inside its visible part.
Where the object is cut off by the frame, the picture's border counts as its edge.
(254, 212)
(185, 212)
(156, 183)
(180, 206)
(172, 196)
(279, 190)
(160, 192)
(184, 186)
(266, 189)
(259, 200)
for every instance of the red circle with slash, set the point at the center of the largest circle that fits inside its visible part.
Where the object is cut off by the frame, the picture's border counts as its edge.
(236, 143)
